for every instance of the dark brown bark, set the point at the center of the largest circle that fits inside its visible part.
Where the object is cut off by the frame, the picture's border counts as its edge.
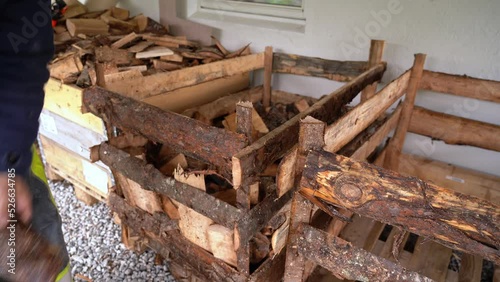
(187, 136)
(455, 220)
(347, 261)
(153, 180)
(335, 70)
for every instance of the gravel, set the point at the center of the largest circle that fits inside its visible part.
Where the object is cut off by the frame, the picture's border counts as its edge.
(94, 243)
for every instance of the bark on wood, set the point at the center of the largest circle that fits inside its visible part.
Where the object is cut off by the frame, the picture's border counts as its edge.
(151, 179)
(346, 128)
(86, 26)
(271, 270)
(455, 130)
(187, 136)
(376, 53)
(163, 82)
(455, 220)
(342, 71)
(396, 144)
(274, 145)
(350, 262)
(268, 76)
(486, 90)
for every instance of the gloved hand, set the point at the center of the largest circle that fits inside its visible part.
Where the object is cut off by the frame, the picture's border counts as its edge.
(22, 203)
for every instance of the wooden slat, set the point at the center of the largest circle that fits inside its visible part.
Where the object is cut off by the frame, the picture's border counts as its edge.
(487, 90)
(308, 66)
(358, 119)
(455, 220)
(268, 76)
(376, 53)
(187, 136)
(455, 130)
(275, 144)
(151, 85)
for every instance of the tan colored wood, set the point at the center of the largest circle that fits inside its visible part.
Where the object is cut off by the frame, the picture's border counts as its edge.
(397, 141)
(280, 236)
(62, 37)
(221, 240)
(285, 178)
(137, 196)
(268, 76)
(169, 167)
(301, 105)
(141, 68)
(431, 259)
(140, 21)
(139, 46)
(470, 268)
(254, 193)
(75, 10)
(165, 66)
(482, 89)
(359, 118)
(455, 130)
(172, 58)
(169, 207)
(376, 54)
(154, 53)
(105, 54)
(122, 26)
(124, 41)
(119, 13)
(122, 76)
(82, 196)
(69, 66)
(86, 26)
(219, 45)
(169, 39)
(60, 29)
(154, 84)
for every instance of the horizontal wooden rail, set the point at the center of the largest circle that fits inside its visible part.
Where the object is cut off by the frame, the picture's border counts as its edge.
(308, 66)
(347, 261)
(455, 130)
(153, 180)
(482, 89)
(455, 220)
(146, 86)
(188, 136)
(358, 119)
(256, 157)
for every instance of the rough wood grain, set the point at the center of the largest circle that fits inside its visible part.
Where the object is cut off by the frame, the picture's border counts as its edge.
(187, 136)
(86, 26)
(455, 220)
(268, 76)
(376, 53)
(308, 66)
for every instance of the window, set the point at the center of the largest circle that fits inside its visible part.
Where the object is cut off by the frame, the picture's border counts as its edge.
(288, 9)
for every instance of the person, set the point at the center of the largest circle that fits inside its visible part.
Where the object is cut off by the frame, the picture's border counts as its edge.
(26, 47)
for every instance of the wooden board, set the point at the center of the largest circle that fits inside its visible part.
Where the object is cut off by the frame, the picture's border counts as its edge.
(66, 101)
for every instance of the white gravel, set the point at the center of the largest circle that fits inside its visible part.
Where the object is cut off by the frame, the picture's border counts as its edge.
(94, 243)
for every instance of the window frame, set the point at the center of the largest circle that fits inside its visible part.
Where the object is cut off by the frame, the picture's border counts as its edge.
(249, 8)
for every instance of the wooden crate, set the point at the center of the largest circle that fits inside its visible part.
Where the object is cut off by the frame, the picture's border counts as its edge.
(463, 216)
(236, 157)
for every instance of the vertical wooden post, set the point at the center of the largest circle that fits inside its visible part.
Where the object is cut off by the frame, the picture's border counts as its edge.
(311, 137)
(396, 144)
(268, 75)
(376, 53)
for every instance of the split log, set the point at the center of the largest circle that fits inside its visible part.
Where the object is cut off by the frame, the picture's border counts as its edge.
(119, 13)
(455, 130)
(140, 46)
(221, 240)
(172, 58)
(169, 39)
(122, 26)
(455, 220)
(302, 105)
(342, 71)
(482, 89)
(256, 157)
(86, 26)
(165, 66)
(153, 53)
(124, 41)
(63, 69)
(73, 11)
(349, 262)
(140, 22)
(192, 138)
(105, 54)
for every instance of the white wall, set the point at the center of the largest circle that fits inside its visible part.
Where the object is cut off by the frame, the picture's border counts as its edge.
(458, 36)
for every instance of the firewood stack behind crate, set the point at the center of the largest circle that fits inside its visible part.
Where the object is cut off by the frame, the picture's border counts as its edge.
(114, 50)
(200, 187)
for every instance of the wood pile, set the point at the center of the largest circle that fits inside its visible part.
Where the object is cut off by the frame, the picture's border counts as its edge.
(95, 48)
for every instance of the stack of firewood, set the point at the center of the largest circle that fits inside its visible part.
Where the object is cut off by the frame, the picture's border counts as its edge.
(91, 45)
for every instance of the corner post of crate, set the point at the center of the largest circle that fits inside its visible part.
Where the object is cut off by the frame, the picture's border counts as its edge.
(268, 75)
(244, 126)
(376, 53)
(311, 137)
(395, 146)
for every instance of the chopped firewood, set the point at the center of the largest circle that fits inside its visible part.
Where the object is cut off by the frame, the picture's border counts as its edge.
(92, 15)
(140, 22)
(169, 39)
(221, 240)
(118, 24)
(245, 50)
(209, 52)
(86, 26)
(140, 46)
(165, 66)
(154, 53)
(75, 10)
(128, 140)
(254, 193)
(192, 55)
(219, 45)
(62, 37)
(119, 13)
(169, 207)
(69, 66)
(103, 69)
(165, 44)
(129, 75)
(169, 167)
(155, 27)
(278, 240)
(124, 41)
(172, 58)
(259, 248)
(141, 68)
(301, 105)
(228, 196)
(84, 78)
(60, 29)
(118, 56)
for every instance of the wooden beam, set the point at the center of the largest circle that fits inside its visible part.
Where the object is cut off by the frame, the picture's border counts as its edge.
(455, 130)
(86, 26)
(376, 53)
(455, 220)
(153, 180)
(162, 82)
(191, 137)
(268, 76)
(274, 145)
(244, 126)
(358, 119)
(342, 71)
(397, 141)
(347, 261)
(461, 85)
